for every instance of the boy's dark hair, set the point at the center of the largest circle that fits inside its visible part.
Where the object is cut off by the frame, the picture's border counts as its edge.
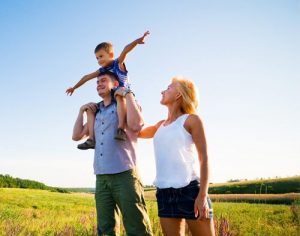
(106, 46)
(111, 75)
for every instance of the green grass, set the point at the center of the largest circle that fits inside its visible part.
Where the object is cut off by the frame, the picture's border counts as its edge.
(40, 212)
(259, 219)
(287, 198)
(265, 186)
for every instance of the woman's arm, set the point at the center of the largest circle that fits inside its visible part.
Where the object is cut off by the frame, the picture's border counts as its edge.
(150, 131)
(195, 127)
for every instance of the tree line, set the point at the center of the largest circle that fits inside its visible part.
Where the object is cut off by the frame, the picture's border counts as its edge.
(7, 181)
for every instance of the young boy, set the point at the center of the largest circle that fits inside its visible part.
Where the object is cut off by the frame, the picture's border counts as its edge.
(105, 56)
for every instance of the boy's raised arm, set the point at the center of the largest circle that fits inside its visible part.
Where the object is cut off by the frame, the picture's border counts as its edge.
(84, 79)
(129, 47)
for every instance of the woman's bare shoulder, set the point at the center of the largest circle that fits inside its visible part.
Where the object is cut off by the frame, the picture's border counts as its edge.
(192, 122)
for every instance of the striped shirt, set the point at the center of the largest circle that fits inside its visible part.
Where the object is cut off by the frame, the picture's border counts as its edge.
(122, 76)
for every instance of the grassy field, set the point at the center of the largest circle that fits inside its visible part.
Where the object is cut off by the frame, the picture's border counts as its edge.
(264, 186)
(287, 198)
(40, 212)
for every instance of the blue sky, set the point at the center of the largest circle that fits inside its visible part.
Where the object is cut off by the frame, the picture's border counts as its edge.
(242, 55)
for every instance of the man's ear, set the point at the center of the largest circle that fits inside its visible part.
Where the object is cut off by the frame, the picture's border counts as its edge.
(116, 83)
(111, 54)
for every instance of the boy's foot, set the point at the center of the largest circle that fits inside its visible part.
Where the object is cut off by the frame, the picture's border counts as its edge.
(121, 134)
(88, 144)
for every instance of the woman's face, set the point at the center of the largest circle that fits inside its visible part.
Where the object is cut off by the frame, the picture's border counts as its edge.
(169, 95)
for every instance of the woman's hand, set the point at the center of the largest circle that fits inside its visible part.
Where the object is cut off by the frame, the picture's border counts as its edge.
(201, 207)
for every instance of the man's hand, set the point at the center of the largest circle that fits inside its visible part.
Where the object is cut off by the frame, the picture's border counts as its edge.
(70, 91)
(89, 106)
(141, 39)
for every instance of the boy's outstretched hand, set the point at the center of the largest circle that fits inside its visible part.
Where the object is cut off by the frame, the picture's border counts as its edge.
(141, 39)
(70, 91)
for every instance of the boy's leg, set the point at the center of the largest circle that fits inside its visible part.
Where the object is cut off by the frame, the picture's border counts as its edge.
(90, 143)
(108, 220)
(129, 195)
(90, 123)
(121, 110)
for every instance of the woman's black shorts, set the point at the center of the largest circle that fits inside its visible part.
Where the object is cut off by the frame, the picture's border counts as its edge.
(179, 202)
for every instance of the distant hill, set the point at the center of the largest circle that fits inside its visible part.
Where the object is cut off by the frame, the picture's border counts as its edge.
(81, 190)
(264, 186)
(7, 181)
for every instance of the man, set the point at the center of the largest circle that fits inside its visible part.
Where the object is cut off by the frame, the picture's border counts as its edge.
(117, 183)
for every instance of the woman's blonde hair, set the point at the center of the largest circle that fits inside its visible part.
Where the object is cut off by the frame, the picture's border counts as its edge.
(189, 94)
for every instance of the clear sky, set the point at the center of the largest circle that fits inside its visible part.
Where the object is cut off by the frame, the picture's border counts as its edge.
(242, 55)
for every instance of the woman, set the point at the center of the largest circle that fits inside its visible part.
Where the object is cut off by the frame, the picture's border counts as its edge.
(181, 163)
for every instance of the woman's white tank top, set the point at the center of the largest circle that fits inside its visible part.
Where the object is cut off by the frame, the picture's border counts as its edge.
(176, 156)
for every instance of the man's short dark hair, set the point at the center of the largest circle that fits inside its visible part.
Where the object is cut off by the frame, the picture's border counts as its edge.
(110, 74)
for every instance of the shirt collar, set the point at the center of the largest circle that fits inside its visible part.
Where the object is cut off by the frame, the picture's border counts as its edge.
(101, 105)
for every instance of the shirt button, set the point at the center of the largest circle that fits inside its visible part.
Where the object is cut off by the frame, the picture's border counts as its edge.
(102, 133)
(102, 123)
(101, 143)
(101, 154)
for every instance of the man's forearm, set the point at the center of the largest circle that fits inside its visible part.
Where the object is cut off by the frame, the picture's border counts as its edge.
(135, 119)
(78, 127)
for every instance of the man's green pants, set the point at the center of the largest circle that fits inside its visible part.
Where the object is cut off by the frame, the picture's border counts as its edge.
(122, 192)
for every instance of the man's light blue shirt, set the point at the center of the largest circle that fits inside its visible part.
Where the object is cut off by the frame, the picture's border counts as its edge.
(111, 155)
